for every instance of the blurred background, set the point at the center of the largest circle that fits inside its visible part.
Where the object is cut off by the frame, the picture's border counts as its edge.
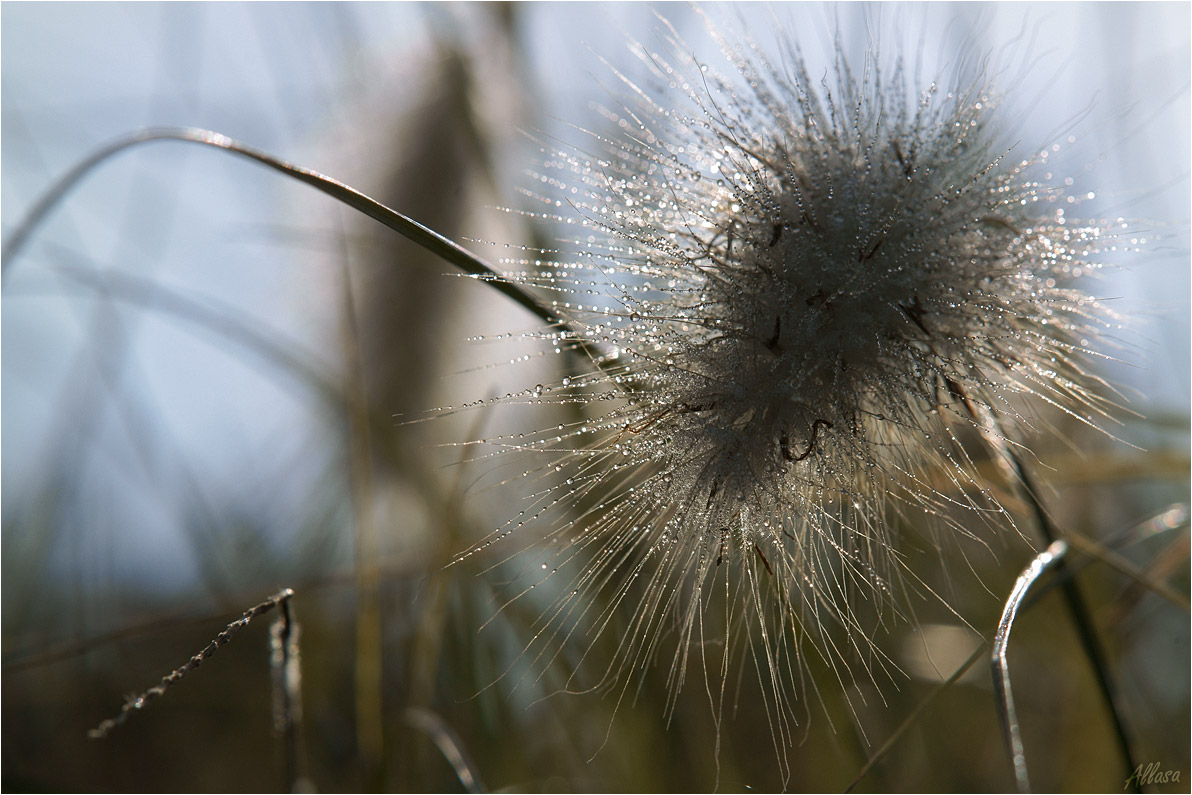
(218, 383)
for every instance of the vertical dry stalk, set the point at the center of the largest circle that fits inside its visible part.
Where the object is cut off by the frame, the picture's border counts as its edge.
(286, 667)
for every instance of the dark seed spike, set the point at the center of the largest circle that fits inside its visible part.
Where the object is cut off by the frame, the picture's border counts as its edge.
(814, 434)
(772, 343)
(712, 493)
(863, 257)
(814, 226)
(758, 550)
(907, 167)
(915, 313)
(957, 391)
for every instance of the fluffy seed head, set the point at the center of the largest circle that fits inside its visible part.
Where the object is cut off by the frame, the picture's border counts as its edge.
(808, 294)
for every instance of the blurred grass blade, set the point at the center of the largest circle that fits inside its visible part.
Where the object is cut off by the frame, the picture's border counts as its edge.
(448, 745)
(218, 320)
(1139, 577)
(908, 721)
(914, 715)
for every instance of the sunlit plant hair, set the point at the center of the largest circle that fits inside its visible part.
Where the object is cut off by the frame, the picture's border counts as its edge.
(810, 298)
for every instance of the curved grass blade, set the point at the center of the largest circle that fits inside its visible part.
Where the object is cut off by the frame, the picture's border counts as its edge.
(427, 238)
(1001, 671)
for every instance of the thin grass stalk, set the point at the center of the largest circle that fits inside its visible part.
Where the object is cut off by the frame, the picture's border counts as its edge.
(1083, 621)
(1077, 607)
(145, 699)
(1001, 669)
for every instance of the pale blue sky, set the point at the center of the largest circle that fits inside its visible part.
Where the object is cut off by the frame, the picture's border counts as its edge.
(289, 79)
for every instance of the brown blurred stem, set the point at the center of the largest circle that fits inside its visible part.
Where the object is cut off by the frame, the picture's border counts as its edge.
(370, 739)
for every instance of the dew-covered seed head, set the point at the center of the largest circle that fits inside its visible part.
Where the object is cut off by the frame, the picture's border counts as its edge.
(807, 292)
